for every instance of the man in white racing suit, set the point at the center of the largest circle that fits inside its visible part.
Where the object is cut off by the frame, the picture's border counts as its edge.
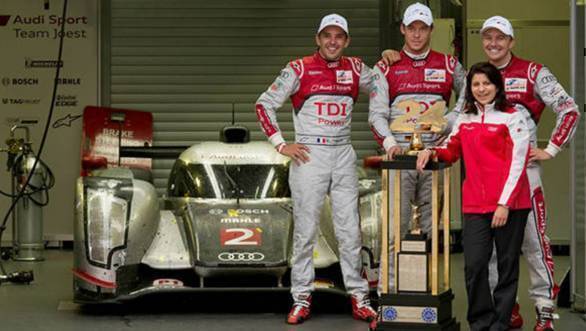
(426, 77)
(323, 89)
(530, 86)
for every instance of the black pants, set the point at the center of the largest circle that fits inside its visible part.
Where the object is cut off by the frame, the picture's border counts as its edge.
(486, 311)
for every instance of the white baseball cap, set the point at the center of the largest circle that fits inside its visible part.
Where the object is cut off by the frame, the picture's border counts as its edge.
(335, 20)
(418, 12)
(500, 23)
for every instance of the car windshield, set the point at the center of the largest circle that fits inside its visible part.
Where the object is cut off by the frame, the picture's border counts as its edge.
(220, 181)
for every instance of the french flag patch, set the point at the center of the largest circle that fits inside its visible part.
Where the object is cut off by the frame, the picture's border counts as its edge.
(322, 141)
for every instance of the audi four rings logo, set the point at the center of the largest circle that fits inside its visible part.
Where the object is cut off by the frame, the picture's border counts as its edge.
(241, 257)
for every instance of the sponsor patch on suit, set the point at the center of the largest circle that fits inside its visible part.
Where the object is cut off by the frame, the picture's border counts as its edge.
(515, 85)
(344, 76)
(435, 75)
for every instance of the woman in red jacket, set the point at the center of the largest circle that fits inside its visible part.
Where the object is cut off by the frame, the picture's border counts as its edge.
(493, 141)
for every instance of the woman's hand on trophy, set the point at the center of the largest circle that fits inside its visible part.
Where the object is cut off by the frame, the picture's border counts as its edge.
(422, 158)
(390, 56)
(393, 151)
(499, 219)
(297, 152)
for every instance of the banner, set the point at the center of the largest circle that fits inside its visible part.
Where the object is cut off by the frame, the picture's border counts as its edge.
(30, 33)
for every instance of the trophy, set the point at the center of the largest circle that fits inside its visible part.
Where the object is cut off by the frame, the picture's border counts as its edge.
(418, 122)
(413, 259)
(422, 296)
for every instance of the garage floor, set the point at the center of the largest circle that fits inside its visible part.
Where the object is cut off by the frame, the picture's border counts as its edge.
(47, 304)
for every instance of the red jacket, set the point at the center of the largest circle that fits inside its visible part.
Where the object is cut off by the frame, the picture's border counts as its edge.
(494, 146)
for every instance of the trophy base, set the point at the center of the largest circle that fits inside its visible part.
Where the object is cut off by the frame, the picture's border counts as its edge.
(416, 312)
(451, 325)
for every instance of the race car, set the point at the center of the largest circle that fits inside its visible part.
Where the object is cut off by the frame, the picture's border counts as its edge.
(225, 223)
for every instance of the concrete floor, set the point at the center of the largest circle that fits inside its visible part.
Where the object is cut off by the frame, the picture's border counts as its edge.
(47, 304)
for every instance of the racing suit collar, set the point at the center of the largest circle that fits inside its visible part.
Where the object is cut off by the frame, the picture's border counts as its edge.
(417, 57)
(329, 64)
(504, 66)
(483, 108)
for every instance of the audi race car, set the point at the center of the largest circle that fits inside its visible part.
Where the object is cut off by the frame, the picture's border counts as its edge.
(225, 222)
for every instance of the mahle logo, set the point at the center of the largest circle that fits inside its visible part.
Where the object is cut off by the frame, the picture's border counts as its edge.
(4, 19)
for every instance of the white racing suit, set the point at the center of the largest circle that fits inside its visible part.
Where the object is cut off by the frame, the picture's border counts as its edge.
(426, 79)
(323, 94)
(530, 87)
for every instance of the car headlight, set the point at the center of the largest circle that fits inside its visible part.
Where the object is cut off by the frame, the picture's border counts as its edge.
(106, 225)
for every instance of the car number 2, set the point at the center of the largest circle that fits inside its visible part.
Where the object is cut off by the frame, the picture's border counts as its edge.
(240, 236)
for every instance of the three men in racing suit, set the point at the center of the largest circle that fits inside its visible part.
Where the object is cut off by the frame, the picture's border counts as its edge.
(426, 77)
(323, 88)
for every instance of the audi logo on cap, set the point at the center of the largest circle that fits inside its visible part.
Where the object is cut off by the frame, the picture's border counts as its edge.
(241, 257)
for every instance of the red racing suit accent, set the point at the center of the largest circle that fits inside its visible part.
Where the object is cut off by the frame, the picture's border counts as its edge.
(494, 146)
(432, 75)
(323, 95)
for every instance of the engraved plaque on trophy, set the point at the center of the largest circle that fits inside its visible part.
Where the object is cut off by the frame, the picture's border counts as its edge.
(417, 122)
(413, 258)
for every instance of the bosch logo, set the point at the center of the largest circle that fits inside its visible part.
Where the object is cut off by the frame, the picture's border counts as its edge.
(19, 81)
(241, 257)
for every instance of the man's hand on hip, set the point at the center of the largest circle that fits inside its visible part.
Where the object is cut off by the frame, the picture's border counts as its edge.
(297, 152)
(538, 154)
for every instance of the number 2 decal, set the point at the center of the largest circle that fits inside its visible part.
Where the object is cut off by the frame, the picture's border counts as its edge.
(240, 237)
